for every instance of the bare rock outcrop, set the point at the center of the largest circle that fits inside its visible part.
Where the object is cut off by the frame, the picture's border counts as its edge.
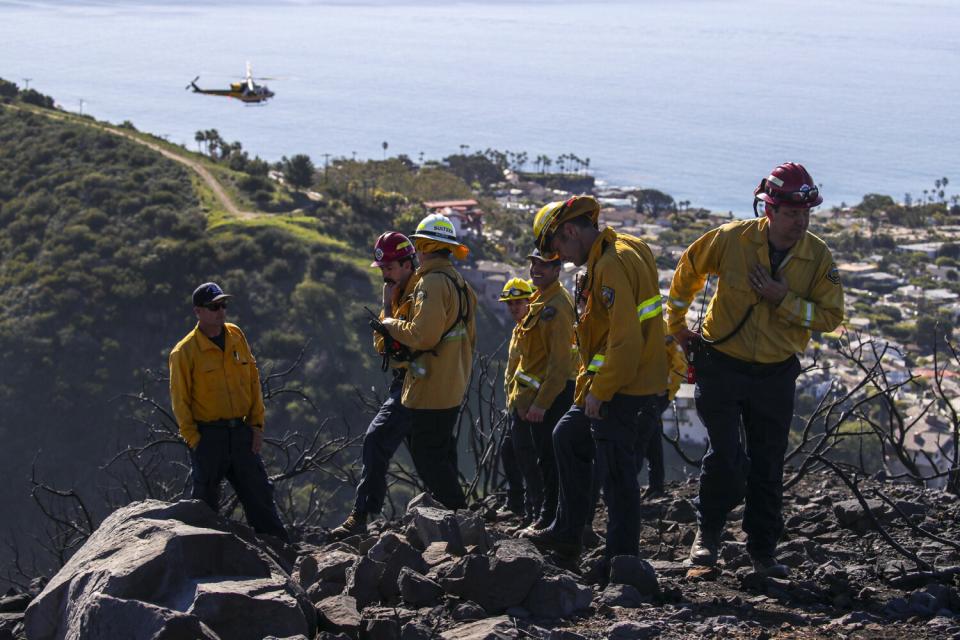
(170, 570)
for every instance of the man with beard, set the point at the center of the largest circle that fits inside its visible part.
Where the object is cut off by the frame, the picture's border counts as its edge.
(623, 371)
(441, 333)
(395, 256)
(777, 283)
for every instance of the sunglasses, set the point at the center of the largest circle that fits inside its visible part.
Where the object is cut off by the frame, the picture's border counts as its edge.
(215, 306)
(804, 195)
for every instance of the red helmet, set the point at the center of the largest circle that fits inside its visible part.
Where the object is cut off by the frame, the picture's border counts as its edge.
(391, 246)
(788, 184)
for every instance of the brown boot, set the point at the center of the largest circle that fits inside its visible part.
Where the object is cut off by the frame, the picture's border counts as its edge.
(355, 524)
(705, 548)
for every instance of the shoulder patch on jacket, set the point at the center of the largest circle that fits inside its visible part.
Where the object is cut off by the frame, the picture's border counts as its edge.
(834, 274)
(608, 295)
(548, 313)
(421, 296)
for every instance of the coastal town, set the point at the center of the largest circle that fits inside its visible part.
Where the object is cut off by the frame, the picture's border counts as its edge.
(901, 281)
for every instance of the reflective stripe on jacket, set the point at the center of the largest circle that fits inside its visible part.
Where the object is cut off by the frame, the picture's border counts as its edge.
(771, 333)
(620, 333)
(437, 381)
(207, 384)
(542, 341)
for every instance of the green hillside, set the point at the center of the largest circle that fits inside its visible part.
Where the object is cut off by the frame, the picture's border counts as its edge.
(101, 243)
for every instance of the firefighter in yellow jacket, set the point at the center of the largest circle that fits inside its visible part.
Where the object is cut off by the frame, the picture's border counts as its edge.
(524, 486)
(541, 389)
(395, 256)
(216, 397)
(441, 334)
(777, 283)
(623, 370)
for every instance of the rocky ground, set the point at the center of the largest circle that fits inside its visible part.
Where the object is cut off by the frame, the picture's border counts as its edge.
(178, 571)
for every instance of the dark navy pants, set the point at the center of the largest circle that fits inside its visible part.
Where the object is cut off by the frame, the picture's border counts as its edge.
(386, 431)
(225, 452)
(433, 448)
(533, 459)
(546, 456)
(750, 466)
(511, 469)
(610, 444)
(653, 452)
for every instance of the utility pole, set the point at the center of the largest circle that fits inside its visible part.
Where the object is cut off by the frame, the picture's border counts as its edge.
(26, 83)
(326, 158)
(81, 106)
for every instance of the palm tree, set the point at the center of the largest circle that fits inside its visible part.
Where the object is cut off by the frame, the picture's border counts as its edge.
(200, 137)
(522, 158)
(384, 145)
(586, 165)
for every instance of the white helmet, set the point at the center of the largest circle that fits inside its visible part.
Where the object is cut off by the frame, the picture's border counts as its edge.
(437, 227)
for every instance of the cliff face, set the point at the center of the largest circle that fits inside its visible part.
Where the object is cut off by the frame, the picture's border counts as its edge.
(168, 569)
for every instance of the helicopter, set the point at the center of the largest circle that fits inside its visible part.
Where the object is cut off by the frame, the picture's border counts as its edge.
(246, 90)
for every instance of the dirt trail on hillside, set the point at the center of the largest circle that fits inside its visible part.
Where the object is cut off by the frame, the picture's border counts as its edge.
(225, 200)
(201, 171)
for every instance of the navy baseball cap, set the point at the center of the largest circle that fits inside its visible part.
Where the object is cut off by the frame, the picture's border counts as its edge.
(208, 292)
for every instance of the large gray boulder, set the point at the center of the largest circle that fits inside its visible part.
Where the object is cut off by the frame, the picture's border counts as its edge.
(418, 590)
(164, 570)
(557, 597)
(324, 566)
(436, 525)
(395, 554)
(339, 613)
(851, 515)
(363, 581)
(499, 582)
(635, 572)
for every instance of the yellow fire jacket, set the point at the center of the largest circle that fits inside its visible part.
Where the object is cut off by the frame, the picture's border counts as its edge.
(620, 334)
(207, 384)
(438, 377)
(542, 359)
(400, 309)
(771, 333)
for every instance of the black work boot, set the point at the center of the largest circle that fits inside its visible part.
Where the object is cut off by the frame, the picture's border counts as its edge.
(508, 511)
(768, 565)
(546, 539)
(355, 524)
(542, 522)
(705, 548)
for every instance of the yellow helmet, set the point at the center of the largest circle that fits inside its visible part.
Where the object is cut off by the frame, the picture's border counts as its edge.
(516, 289)
(554, 214)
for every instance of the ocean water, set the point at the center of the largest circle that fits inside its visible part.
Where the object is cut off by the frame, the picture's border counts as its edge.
(699, 98)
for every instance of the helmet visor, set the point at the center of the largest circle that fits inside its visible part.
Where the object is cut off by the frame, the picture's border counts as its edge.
(808, 196)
